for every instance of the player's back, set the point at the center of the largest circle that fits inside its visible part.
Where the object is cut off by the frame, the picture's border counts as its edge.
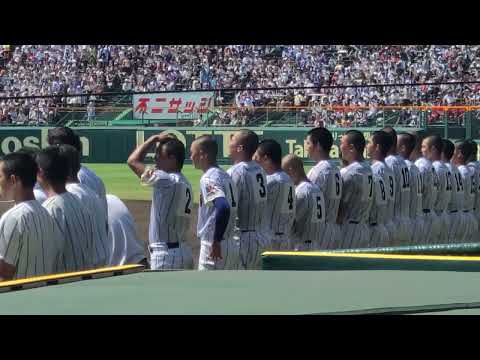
(455, 203)
(88, 177)
(416, 187)
(444, 189)
(122, 234)
(31, 240)
(280, 204)
(474, 168)
(94, 205)
(310, 213)
(77, 228)
(357, 192)
(171, 209)
(216, 183)
(468, 178)
(251, 184)
(378, 212)
(402, 188)
(327, 176)
(429, 183)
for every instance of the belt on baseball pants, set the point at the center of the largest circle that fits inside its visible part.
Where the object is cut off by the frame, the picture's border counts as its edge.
(453, 211)
(353, 222)
(170, 245)
(245, 231)
(466, 211)
(308, 241)
(373, 224)
(279, 234)
(426, 211)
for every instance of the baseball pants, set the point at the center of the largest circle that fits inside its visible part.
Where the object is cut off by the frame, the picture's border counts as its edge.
(354, 236)
(280, 243)
(164, 258)
(331, 237)
(418, 233)
(379, 236)
(400, 231)
(444, 227)
(456, 230)
(230, 256)
(433, 226)
(251, 245)
(471, 229)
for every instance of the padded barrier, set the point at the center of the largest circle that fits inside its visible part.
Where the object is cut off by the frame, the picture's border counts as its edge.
(311, 261)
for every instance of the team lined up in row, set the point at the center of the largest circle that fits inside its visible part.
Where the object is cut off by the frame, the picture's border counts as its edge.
(409, 194)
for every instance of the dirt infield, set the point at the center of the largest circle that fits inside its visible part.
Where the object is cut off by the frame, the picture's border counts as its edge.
(140, 210)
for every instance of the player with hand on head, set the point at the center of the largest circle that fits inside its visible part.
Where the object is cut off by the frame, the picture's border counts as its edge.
(384, 189)
(457, 222)
(92, 203)
(172, 201)
(406, 145)
(357, 192)
(461, 157)
(217, 211)
(327, 176)
(76, 223)
(251, 183)
(30, 240)
(65, 135)
(280, 194)
(402, 231)
(309, 223)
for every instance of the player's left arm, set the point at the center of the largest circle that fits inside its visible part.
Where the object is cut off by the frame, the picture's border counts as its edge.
(136, 160)
(9, 248)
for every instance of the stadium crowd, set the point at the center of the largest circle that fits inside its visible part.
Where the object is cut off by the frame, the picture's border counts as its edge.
(43, 70)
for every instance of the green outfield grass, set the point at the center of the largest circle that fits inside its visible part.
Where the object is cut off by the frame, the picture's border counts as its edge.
(122, 182)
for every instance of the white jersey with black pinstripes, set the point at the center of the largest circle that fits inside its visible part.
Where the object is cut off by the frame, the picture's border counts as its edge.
(429, 183)
(416, 188)
(402, 188)
(444, 190)
(31, 241)
(468, 178)
(310, 214)
(455, 203)
(280, 205)
(357, 193)
(77, 228)
(251, 183)
(473, 166)
(215, 183)
(88, 177)
(94, 205)
(327, 176)
(378, 211)
(171, 209)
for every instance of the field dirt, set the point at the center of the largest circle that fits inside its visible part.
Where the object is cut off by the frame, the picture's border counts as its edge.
(140, 210)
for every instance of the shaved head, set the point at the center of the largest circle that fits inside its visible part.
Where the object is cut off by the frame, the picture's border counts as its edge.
(248, 139)
(293, 166)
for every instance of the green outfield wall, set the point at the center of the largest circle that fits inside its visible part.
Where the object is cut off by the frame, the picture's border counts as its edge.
(113, 145)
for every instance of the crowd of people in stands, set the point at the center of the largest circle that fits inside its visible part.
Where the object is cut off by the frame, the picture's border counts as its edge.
(42, 70)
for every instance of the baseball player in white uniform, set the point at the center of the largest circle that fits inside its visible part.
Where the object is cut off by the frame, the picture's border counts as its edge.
(400, 234)
(377, 148)
(38, 192)
(122, 234)
(30, 240)
(430, 184)
(463, 152)
(280, 192)
(251, 183)
(309, 224)
(218, 209)
(455, 206)
(172, 202)
(475, 166)
(92, 203)
(64, 135)
(327, 176)
(74, 220)
(406, 144)
(357, 192)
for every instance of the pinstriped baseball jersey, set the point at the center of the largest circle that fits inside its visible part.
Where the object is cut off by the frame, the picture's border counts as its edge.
(474, 168)
(94, 205)
(357, 192)
(77, 229)
(215, 183)
(468, 177)
(89, 178)
(327, 176)
(310, 213)
(444, 190)
(251, 183)
(402, 181)
(416, 187)
(429, 189)
(281, 203)
(31, 240)
(171, 210)
(378, 211)
(389, 178)
(458, 195)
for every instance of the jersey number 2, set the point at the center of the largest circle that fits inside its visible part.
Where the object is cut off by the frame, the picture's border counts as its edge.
(189, 200)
